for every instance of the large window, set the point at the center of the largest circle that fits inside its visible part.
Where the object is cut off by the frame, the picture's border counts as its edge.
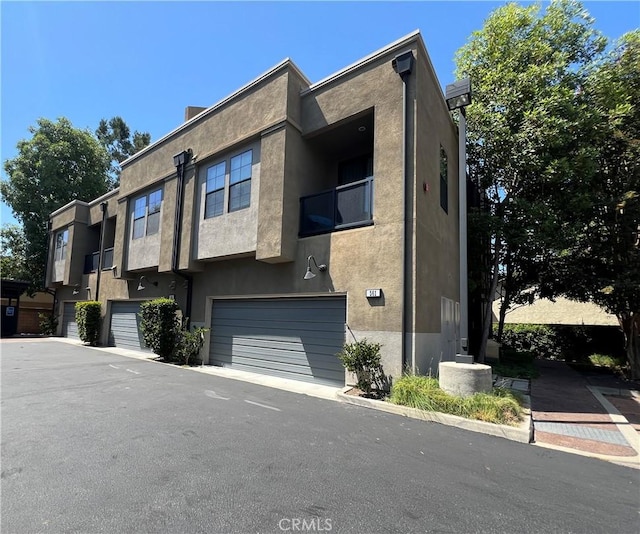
(444, 181)
(62, 238)
(146, 214)
(239, 185)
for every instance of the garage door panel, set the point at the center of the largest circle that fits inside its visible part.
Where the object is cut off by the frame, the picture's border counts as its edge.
(69, 325)
(293, 338)
(124, 326)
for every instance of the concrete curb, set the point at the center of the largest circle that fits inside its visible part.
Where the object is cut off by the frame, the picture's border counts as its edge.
(522, 433)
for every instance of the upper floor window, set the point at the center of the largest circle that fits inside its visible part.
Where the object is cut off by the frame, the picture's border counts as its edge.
(444, 181)
(239, 185)
(62, 238)
(146, 214)
(355, 169)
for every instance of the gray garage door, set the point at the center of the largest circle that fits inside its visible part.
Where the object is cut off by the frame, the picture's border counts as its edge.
(124, 326)
(69, 325)
(294, 338)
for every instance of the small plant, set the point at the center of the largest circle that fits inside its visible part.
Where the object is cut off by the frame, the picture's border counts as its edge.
(160, 326)
(606, 360)
(423, 392)
(189, 344)
(364, 359)
(88, 317)
(48, 324)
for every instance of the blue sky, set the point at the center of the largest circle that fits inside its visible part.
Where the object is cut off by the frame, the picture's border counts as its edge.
(146, 61)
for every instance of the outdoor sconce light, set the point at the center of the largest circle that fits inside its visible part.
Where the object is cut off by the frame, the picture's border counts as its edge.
(143, 279)
(309, 275)
(458, 94)
(76, 290)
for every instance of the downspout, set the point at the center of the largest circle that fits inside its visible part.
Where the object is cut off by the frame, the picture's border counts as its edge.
(103, 208)
(403, 65)
(180, 161)
(46, 271)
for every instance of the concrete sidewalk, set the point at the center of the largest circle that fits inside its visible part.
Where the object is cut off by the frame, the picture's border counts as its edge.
(595, 416)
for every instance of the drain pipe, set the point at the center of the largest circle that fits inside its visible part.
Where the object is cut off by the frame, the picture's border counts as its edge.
(403, 65)
(180, 161)
(103, 208)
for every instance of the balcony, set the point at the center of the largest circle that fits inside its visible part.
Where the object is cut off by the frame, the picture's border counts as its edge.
(346, 206)
(91, 261)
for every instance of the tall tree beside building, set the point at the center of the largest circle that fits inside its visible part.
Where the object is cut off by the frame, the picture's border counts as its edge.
(526, 67)
(598, 254)
(58, 164)
(116, 137)
(13, 246)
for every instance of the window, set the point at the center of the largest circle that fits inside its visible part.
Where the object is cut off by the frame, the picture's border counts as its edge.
(62, 238)
(214, 202)
(444, 181)
(240, 181)
(356, 169)
(146, 214)
(240, 168)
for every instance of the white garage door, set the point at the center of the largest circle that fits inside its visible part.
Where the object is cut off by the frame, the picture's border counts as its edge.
(294, 338)
(69, 325)
(124, 326)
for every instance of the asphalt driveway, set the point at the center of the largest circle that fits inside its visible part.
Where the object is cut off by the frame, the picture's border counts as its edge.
(97, 442)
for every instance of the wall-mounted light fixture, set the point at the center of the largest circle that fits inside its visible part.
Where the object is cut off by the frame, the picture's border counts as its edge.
(76, 289)
(143, 280)
(88, 290)
(309, 274)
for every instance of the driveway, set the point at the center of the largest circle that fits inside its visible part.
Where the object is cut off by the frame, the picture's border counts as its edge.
(97, 442)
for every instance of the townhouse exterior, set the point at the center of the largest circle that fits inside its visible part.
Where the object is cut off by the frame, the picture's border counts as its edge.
(352, 179)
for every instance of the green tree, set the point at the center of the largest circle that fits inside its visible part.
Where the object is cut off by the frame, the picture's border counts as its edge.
(13, 246)
(58, 164)
(526, 68)
(598, 258)
(116, 137)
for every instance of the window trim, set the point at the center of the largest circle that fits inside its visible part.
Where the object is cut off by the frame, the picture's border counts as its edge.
(60, 252)
(137, 205)
(228, 186)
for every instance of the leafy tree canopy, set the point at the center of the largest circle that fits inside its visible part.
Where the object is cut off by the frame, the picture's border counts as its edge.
(116, 137)
(13, 246)
(58, 164)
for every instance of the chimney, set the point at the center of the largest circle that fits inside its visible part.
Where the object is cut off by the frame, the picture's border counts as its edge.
(192, 111)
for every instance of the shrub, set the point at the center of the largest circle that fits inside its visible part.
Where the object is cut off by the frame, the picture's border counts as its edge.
(189, 344)
(160, 326)
(606, 360)
(363, 358)
(423, 392)
(48, 324)
(88, 317)
(535, 338)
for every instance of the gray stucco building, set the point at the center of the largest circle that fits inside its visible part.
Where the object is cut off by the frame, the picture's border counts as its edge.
(358, 170)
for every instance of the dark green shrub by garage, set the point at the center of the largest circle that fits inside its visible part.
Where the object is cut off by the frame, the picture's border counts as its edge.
(88, 318)
(161, 326)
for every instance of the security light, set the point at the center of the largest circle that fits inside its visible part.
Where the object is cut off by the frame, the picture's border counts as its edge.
(144, 279)
(458, 94)
(309, 274)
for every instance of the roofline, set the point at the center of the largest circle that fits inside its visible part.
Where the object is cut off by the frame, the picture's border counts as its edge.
(364, 61)
(284, 63)
(83, 203)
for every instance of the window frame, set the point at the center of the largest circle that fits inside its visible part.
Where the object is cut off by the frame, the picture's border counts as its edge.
(144, 207)
(235, 177)
(62, 240)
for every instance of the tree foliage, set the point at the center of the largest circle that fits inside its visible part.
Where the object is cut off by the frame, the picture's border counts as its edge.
(58, 164)
(116, 137)
(13, 247)
(526, 67)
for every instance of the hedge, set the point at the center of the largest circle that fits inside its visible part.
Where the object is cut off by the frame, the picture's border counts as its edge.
(89, 319)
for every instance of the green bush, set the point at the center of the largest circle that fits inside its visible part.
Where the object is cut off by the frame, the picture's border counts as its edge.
(572, 343)
(48, 323)
(160, 326)
(606, 360)
(189, 344)
(89, 319)
(423, 392)
(364, 359)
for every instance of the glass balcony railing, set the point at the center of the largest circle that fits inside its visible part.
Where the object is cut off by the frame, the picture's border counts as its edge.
(92, 261)
(346, 206)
